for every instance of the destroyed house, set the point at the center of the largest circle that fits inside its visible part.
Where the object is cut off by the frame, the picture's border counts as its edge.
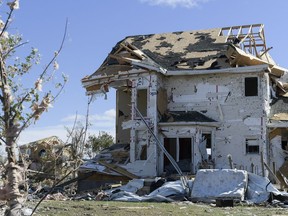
(46, 156)
(212, 98)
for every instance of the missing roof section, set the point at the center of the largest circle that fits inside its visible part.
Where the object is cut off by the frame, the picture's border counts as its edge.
(249, 38)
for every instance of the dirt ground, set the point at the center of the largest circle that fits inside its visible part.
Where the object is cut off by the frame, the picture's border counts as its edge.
(107, 208)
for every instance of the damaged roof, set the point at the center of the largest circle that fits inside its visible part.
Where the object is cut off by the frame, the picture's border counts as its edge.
(199, 51)
(189, 50)
(185, 50)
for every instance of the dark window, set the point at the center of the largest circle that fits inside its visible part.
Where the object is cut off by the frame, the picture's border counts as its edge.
(142, 101)
(252, 146)
(251, 86)
(42, 153)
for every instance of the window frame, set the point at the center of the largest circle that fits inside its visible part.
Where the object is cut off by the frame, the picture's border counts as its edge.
(252, 146)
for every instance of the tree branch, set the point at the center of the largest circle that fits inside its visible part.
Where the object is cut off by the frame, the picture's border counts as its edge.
(49, 64)
(26, 123)
(15, 47)
(7, 21)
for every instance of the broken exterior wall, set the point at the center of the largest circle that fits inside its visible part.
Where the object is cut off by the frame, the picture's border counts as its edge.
(278, 147)
(239, 119)
(222, 98)
(143, 151)
(123, 114)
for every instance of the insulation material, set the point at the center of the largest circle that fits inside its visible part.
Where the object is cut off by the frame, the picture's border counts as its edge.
(226, 183)
(280, 116)
(259, 189)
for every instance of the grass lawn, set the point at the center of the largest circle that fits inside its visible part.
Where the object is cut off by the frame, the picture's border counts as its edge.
(108, 208)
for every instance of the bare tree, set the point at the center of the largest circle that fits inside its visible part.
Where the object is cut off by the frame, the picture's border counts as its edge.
(77, 139)
(21, 105)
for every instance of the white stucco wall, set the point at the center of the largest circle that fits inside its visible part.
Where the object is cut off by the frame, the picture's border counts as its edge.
(221, 97)
(218, 96)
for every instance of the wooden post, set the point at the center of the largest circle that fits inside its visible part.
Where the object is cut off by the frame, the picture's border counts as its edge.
(272, 174)
(230, 161)
(274, 167)
(262, 164)
(252, 167)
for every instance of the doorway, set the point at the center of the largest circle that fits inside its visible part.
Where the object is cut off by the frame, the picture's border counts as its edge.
(181, 150)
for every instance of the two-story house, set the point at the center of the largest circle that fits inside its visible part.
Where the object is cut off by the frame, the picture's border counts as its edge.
(212, 98)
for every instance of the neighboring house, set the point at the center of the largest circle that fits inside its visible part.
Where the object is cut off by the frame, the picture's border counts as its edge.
(206, 95)
(46, 155)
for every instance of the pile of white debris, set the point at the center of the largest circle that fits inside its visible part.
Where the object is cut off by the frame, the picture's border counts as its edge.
(209, 185)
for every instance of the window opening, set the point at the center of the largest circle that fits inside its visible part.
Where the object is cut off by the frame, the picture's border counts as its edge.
(207, 139)
(142, 101)
(252, 146)
(251, 86)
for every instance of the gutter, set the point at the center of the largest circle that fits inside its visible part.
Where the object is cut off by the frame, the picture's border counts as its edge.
(237, 70)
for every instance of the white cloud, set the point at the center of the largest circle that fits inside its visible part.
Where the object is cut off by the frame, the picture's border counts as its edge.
(104, 122)
(108, 115)
(175, 3)
(37, 133)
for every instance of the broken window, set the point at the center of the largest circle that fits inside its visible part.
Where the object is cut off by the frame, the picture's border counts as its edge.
(142, 101)
(42, 153)
(207, 137)
(252, 146)
(251, 86)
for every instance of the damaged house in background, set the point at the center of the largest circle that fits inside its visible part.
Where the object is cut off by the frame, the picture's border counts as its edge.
(199, 95)
(47, 157)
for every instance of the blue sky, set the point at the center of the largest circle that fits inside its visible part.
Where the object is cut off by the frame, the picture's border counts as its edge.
(95, 26)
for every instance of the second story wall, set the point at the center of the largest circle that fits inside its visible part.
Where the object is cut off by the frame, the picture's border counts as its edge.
(239, 102)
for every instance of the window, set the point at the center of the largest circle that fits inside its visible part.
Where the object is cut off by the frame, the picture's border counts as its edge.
(42, 153)
(142, 101)
(251, 86)
(252, 146)
(207, 138)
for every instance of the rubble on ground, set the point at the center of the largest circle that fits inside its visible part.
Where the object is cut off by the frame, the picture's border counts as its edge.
(209, 185)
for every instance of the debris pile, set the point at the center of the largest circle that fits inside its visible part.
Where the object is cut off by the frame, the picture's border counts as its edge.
(208, 186)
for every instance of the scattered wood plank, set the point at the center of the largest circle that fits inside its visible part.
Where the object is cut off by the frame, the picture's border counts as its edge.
(118, 169)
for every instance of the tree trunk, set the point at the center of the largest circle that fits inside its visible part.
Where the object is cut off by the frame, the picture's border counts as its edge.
(14, 180)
